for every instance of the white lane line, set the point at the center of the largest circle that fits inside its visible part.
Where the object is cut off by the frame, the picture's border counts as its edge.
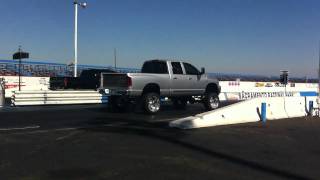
(84, 128)
(67, 136)
(165, 120)
(49, 130)
(19, 128)
(119, 124)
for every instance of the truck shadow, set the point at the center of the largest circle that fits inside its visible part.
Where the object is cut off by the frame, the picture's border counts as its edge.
(166, 108)
(74, 173)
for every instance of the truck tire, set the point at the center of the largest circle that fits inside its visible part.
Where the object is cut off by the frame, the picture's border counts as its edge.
(151, 102)
(179, 103)
(211, 101)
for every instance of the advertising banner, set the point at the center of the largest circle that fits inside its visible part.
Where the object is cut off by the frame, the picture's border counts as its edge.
(242, 90)
(27, 83)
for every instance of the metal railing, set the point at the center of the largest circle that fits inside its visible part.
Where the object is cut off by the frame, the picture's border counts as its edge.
(28, 98)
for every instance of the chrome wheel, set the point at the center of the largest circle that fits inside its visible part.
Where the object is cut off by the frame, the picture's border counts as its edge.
(211, 101)
(214, 102)
(153, 103)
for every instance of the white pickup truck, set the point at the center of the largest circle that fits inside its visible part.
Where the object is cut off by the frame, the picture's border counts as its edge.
(179, 81)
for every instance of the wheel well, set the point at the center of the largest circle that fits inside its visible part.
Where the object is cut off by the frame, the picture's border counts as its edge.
(212, 87)
(151, 88)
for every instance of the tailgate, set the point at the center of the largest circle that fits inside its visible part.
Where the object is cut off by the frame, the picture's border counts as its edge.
(114, 80)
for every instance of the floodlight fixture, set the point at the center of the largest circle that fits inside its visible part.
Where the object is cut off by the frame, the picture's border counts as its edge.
(83, 5)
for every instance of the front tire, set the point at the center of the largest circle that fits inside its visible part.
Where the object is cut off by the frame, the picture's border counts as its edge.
(211, 101)
(151, 103)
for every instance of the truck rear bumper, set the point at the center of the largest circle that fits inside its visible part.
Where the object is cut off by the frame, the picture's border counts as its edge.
(120, 92)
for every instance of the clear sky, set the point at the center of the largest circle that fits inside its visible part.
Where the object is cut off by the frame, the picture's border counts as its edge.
(230, 36)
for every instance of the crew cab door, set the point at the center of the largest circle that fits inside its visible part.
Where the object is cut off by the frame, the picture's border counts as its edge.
(177, 80)
(157, 73)
(194, 80)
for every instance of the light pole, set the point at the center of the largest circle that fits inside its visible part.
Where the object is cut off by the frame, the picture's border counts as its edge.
(83, 5)
(284, 80)
(318, 98)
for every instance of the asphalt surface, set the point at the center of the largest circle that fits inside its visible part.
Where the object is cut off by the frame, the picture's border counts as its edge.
(90, 142)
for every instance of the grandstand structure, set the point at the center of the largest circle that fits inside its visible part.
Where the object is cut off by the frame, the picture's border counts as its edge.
(46, 69)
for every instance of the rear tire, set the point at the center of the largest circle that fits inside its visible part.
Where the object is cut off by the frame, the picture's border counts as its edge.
(151, 103)
(211, 101)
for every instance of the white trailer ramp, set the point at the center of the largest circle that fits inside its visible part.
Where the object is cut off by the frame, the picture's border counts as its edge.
(248, 111)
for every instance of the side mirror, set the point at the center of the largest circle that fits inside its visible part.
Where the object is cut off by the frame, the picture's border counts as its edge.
(202, 71)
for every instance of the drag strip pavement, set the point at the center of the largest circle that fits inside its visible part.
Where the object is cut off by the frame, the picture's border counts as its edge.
(22, 128)
(113, 145)
(43, 118)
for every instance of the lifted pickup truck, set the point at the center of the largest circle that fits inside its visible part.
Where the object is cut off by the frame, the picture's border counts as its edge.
(179, 81)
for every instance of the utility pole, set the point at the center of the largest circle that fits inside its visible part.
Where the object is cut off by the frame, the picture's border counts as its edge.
(115, 58)
(318, 99)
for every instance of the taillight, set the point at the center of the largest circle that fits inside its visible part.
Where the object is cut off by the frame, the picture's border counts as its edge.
(129, 81)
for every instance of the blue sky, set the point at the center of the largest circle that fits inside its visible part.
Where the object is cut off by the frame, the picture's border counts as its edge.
(230, 36)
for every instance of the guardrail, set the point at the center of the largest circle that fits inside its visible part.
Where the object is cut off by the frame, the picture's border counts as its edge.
(28, 98)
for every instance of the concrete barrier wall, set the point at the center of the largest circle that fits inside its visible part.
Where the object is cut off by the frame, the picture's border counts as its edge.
(248, 111)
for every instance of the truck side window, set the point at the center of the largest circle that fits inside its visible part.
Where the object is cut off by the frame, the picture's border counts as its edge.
(191, 70)
(176, 68)
(162, 68)
(155, 67)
